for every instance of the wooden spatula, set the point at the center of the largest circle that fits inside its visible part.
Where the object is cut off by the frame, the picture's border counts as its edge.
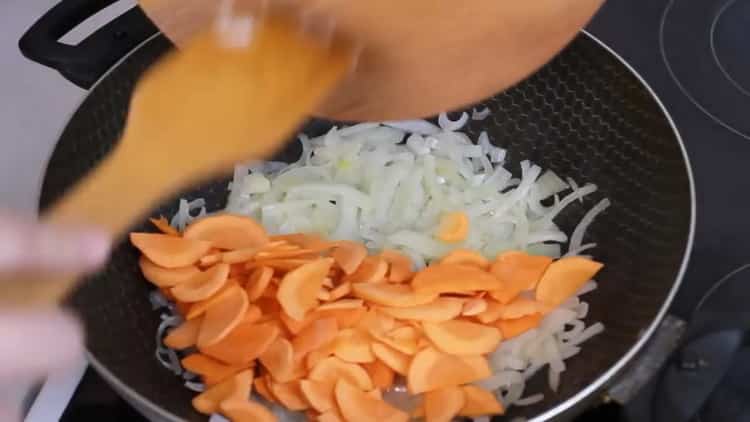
(229, 95)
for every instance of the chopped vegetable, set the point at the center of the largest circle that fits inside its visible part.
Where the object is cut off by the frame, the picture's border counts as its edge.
(227, 231)
(162, 224)
(463, 338)
(466, 257)
(166, 277)
(169, 251)
(454, 227)
(443, 404)
(236, 387)
(299, 288)
(356, 405)
(432, 369)
(400, 266)
(564, 278)
(184, 336)
(244, 344)
(203, 285)
(222, 318)
(479, 402)
(517, 326)
(451, 278)
(441, 309)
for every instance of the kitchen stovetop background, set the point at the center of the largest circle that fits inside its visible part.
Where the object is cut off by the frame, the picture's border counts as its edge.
(35, 103)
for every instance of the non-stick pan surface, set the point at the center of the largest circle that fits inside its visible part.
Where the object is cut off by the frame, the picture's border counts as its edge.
(584, 115)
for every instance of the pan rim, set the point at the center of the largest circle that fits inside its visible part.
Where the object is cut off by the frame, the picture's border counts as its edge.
(156, 410)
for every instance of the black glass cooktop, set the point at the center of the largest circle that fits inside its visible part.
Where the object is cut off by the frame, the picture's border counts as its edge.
(694, 53)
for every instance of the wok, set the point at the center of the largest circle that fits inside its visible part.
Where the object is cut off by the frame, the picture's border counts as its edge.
(586, 115)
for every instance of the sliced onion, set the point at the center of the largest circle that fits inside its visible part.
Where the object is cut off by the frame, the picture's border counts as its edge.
(480, 114)
(449, 125)
(420, 127)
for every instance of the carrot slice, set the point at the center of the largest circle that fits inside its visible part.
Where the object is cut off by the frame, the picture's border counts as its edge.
(261, 387)
(210, 259)
(324, 295)
(289, 394)
(431, 369)
(466, 257)
(295, 253)
(223, 317)
(315, 356)
(400, 266)
(441, 309)
(493, 312)
(319, 395)
(162, 224)
(278, 359)
(257, 283)
(474, 307)
(199, 308)
(252, 315)
(353, 346)
(332, 415)
(349, 255)
(463, 338)
(341, 290)
(381, 374)
(166, 277)
(294, 326)
(392, 358)
(517, 326)
(564, 278)
(319, 333)
(184, 336)
(246, 411)
(450, 278)
(237, 386)
(303, 240)
(342, 304)
(346, 318)
(228, 231)
(244, 344)
(331, 369)
(169, 251)
(210, 370)
(395, 295)
(454, 227)
(203, 285)
(404, 345)
(373, 269)
(443, 404)
(518, 271)
(283, 265)
(299, 287)
(356, 405)
(479, 402)
(521, 306)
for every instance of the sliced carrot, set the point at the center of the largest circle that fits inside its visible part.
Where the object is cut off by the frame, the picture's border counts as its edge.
(237, 270)
(331, 369)
(210, 259)
(381, 374)
(282, 265)
(323, 295)
(203, 285)
(252, 315)
(320, 395)
(392, 358)
(518, 271)
(453, 228)
(319, 333)
(493, 312)
(222, 318)
(294, 326)
(431, 369)
(342, 304)
(182, 308)
(373, 269)
(184, 336)
(303, 240)
(346, 318)
(517, 326)
(244, 344)
(246, 411)
(228, 231)
(298, 288)
(268, 306)
(466, 257)
(479, 402)
(521, 306)
(463, 338)
(375, 321)
(278, 359)
(289, 394)
(162, 224)
(295, 253)
(258, 281)
(443, 404)
(441, 309)
(395, 295)
(349, 255)
(271, 291)
(353, 346)
(261, 387)
(332, 415)
(474, 307)
(403, 345)
(341, 290)
(328, 282)
(450, 278)
(564, 278)
(211, 370)
(169, 251)
(418, 412)
(237, 386)
(239, 255)
(199, 308)
(400, 266)
(319, 354)
(166, 277)
(356, 405)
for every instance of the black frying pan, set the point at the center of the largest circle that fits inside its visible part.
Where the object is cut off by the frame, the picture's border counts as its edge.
(585, 115)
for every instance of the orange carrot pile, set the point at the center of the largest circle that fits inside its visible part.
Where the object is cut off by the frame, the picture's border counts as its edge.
(323, 327)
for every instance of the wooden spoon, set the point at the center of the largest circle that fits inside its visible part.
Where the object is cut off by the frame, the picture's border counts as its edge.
(421, 57)
(227, 96)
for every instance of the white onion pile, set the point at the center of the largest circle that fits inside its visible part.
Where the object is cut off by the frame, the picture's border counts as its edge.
(387, 185)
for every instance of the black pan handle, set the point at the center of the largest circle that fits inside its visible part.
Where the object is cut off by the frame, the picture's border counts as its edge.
(85, 63)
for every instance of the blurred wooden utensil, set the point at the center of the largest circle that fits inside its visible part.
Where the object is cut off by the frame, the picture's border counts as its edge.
(229, 95)
(421, 57)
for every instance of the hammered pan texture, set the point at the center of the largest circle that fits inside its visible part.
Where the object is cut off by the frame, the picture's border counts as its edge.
(584, 115)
